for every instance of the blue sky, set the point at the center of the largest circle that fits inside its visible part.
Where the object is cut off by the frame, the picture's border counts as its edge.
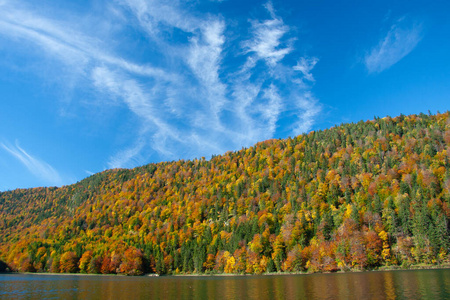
(91, 85)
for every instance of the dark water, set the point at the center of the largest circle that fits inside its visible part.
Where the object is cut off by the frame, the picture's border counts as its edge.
(414, 284)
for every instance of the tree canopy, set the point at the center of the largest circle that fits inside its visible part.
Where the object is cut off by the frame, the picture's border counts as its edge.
(355, 196)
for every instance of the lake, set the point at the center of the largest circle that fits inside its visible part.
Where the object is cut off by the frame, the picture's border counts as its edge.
(409, 284)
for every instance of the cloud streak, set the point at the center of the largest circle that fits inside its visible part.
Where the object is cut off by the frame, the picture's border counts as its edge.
(70, 46)
(400, 40)
(185, 100)
(39, 168)
(267, 42)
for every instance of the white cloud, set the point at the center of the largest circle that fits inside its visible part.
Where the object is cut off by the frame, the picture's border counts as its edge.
(304, 66)
(271, 110)
(156, 15)
(37, 167)
(270, 42)
(124, 157)
(204, 58)
(139, 101)
(267, 39)
(185, 102)
(400, 40)
(89, 172)
(308, 109)
(70, 46)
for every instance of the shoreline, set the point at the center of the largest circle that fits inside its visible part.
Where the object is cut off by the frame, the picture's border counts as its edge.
(381, 269)
(63, 274)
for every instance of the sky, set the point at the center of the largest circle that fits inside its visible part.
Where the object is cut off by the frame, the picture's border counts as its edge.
(87, 86)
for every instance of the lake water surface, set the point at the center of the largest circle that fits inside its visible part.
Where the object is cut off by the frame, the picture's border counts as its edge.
(411, 284)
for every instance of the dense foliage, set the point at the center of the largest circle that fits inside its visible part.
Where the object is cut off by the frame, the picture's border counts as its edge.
(356, 196)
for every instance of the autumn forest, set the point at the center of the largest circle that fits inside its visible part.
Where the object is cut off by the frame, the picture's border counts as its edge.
(353, 197)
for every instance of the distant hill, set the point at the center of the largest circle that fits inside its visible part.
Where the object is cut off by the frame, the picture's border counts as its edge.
(356, 196)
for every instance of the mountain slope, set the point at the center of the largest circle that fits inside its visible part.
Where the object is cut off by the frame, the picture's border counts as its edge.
(356, 196)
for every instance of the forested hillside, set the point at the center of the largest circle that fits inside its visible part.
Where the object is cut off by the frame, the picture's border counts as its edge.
(356, 196)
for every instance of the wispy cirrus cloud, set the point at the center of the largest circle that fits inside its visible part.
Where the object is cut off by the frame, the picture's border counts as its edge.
(262, 101)
(57, 37)
(266, 42)
(185, 102)
(39, 168)
(305, 66)
(401, 39)
(308, 108)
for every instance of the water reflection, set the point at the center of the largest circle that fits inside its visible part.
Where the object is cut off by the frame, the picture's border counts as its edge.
(431, 284)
